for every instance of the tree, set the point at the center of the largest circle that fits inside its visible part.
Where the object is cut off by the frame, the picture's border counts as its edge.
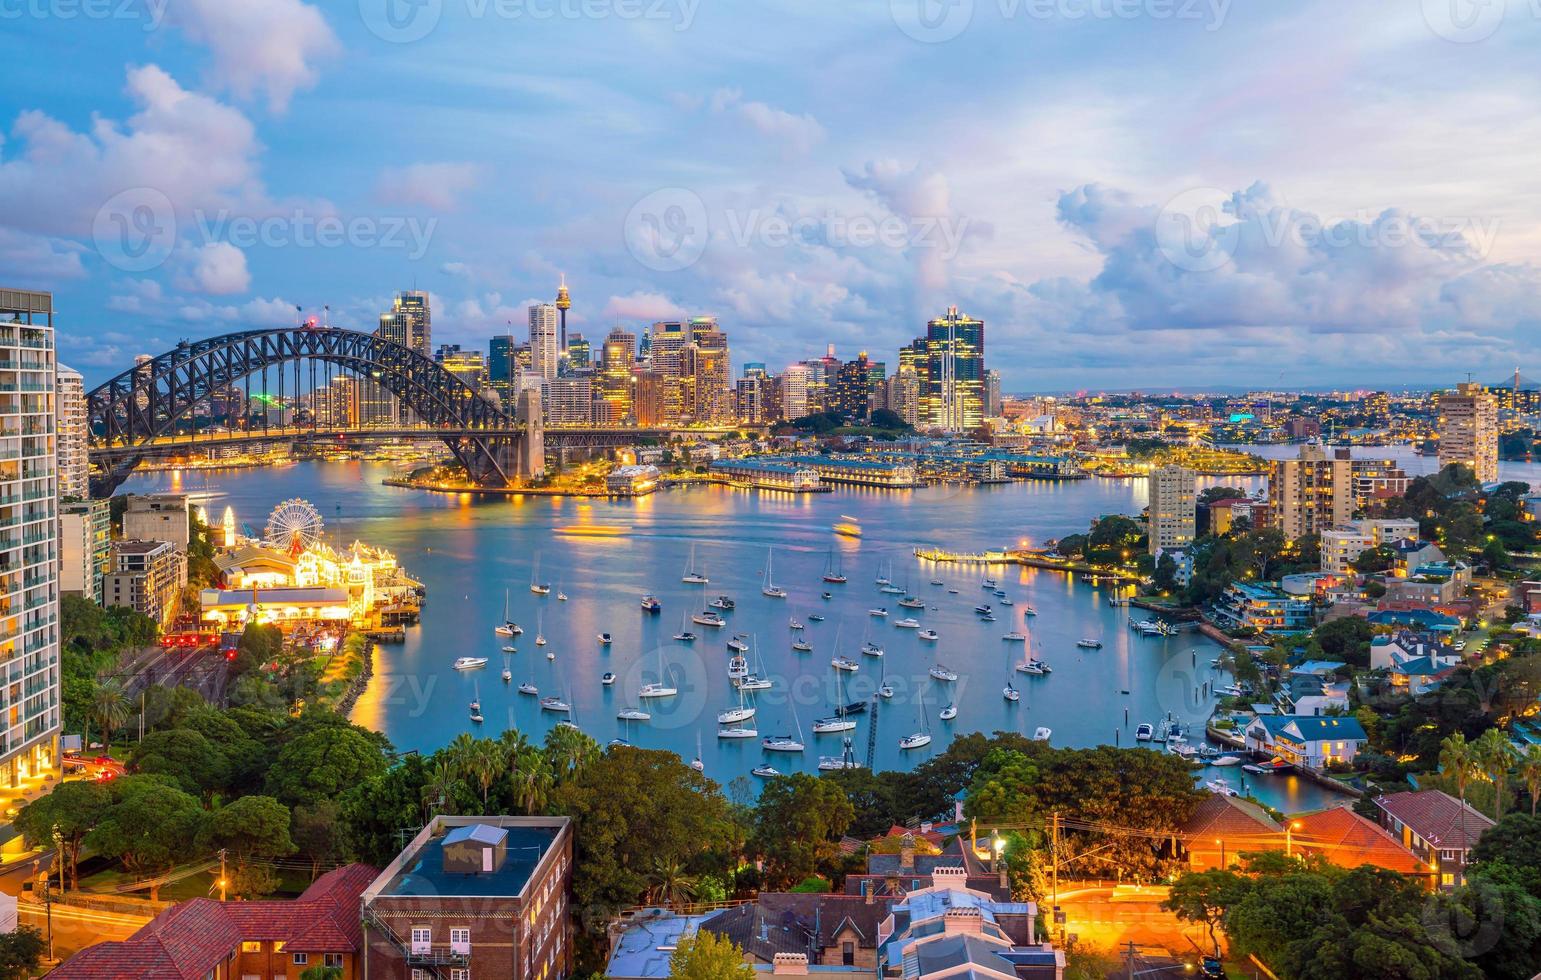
(319, 972)
(568, 751)
(1347, 639)
(1203, 896)
(1490, 754)
(1515, 843)
(708, 956)
(109, 708)
(797, 825)
(73, 809)
(21, 953)
(319, 833)
(671, 884)
(1459, 761)
(150, 827)
(1530, 774)
(259, 644)
(323, 763)
(193, 762)
(252, 829)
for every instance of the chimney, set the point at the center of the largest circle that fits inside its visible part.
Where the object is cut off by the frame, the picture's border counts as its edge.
(907, 854)
(790, 965)
(964, 921)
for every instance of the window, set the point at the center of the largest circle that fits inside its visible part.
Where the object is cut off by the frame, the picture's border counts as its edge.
(418, 974)
(333, 959)
(247, 946)
(299, 959)
(422, 939)
(460, 941)
(848, 953)
(458, 974)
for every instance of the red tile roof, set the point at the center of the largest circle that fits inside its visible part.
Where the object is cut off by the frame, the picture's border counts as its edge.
(1237, 821)
(189, 939)
(1349, 840)
(1437, 817)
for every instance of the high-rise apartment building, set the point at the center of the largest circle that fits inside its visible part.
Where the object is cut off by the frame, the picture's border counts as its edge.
(1468, 430)
(749, 398)
(903, 398)
(1173, 507)
(705, 375)
(29, 532)
(953, 390)
(851, 394)
(794, 392)
(569, 401)
(545, 340)
(992, 394)
(85, 547)
(1312, 492)
(74, 467)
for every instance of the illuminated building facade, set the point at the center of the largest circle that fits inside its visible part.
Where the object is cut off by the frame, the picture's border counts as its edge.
(1173, 507)
(953, 390)
(1468, 430)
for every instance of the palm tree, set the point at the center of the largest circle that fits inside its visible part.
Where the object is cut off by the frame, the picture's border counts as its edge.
(569, 750)
(109, 708)
(1491, 755)
(460, 749)
(1530, 772)
(439, 791)
(671, 885)
(485, 764)
(1459, 761)
(531, 778)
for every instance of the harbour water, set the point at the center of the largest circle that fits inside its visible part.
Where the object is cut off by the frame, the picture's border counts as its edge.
(604, 555)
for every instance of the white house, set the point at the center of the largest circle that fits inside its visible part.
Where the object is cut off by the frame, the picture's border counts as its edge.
(1307, 740)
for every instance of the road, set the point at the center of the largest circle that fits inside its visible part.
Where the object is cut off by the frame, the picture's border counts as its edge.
(1111, 917)
(75, 928)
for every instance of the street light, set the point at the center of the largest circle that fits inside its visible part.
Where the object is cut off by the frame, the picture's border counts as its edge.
(1289, 829)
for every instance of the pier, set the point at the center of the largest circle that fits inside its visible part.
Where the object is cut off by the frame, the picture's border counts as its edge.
(1030, 559)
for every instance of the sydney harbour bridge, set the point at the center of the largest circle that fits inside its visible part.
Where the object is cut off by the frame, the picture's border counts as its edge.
(152, 409)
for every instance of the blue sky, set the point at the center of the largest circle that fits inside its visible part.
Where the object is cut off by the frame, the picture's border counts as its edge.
(1131, 193)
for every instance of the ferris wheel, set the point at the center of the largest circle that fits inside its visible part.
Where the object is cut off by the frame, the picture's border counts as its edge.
(294, 525)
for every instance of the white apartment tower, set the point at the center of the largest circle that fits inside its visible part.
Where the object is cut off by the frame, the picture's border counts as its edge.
(74, 469)
(29, 540)
(1173, 504)
(1468, 430)
(545, 351)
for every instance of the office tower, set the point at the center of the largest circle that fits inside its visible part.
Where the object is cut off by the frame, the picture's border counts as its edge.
(903, 397)
(563, 304)
(615, 378)
(954, 383)
(1312, 492)
(29, 570)
(656, 398)
(794, 392)
(992, 394)
(749, 398)
(707, 391)
(877, 385)
(74, 468)
(755, 368)
(502, 366)
(851, 395)
(579, 356)
(467, 365)
(409, 322)
(544, 340)
(1173, 507)
(1468, 430)
(570, 401)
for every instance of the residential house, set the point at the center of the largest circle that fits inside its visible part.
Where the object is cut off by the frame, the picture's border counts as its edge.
(202, 938)
(949, 930)
(1348, 840)
(1436, 827)
(1342, 545)
(1411, 553)
(1224, 827)
(1421, 619)
(1245, 605)
(1306, 740)
(1430, 584)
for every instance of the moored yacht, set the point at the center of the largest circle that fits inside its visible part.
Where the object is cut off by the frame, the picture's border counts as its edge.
(469, 663)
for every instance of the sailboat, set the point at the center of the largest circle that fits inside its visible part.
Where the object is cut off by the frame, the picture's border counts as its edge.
(832, 571)
(733, 716)
(528, 687)
(508, 675)
(755, 682)
(691, 576)
(476, 703)
(868, 648)
(540, 638)
(660, 688)
(845, 760)
(560, 595)
(921, 738)
(696, 763)
(509, 627)
(885, 690)
(785, 743)
(837, 722)
(684, 635)
(770, 589)
(536, 586)
(888, 587)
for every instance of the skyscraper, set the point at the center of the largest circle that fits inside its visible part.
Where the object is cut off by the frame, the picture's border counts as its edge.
(409, 322)
(851, 393)
(74, 468)
(904, 394)
(1173, 506)
(1468, 430)
(563, 304)
(794, 392)
(29, 595)
(992, 394)
(955, 370)
(614, 397)
(704, 368)
(544, 319)
(579, 357)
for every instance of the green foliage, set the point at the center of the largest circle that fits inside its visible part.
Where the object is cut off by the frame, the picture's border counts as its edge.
(1511, 851)
(194, 763)
(72, 809)
(259, 644)
(150, 826)
(813, 885)
(319, 833)
(319, 972)
(323, 763)
(91, 641)
(797, 826)
(21, 953)
(707, 956)
(1347, 639)
(1203, 897)
(253, 830)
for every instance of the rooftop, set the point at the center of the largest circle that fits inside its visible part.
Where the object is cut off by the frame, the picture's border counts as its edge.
(419, 870)
(1437, 817)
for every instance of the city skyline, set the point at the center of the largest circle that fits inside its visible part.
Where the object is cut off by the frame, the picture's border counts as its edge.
(818, 215)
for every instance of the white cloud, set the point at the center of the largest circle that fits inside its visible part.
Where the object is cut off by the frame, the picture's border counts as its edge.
(33, 258)
(795, 135)
(271, 47)
(436, 186)
(643, 306)
(217, 268)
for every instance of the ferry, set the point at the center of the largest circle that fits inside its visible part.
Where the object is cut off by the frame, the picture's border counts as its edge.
(650, 604)
(469, 663)
(847, 526)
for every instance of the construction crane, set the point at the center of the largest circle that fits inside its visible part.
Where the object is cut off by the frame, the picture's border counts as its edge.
(872, 735)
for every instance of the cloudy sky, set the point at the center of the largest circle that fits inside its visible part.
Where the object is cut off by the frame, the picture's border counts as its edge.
(1131, 193)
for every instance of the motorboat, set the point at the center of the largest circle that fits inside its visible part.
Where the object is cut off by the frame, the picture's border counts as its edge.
(555, 704)
(550, 654)
(529, 688)
(1144, 732)
(987, 618)
(930, 636)
(1089, 644)
(764, 772)
(781, 743)
(1005, 601)
(988, 584)
(561, 597)
(836, 763)
(724, 603)
(907, 624)
(1030, 666)
(604, 639)
(1225, 760)
(738, 644)
(633, 714)
(1029, 611)
(752, 683)
(984, 610)
(1010, 693)
(510, 648)
(937, 581)
(508, 675)
(878, 613)
(1221, 787)
(650, 604)
(827, 595)
(911, 602)
(816, 618)
(618, 743)
(1042, 733)
(870, 649)
(943, 674)
(885, 691)
(802, 646)
(1014, 637)
(708, 618)
(607, 678)
(843, 663)
(469, 663)
(949, 713)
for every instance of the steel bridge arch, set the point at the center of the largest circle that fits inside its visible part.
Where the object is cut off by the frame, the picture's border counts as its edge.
(145, 402)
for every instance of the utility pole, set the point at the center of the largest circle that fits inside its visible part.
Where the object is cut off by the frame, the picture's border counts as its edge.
(223, 881)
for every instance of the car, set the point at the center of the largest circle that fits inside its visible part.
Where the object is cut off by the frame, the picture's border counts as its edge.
(1210, 966)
